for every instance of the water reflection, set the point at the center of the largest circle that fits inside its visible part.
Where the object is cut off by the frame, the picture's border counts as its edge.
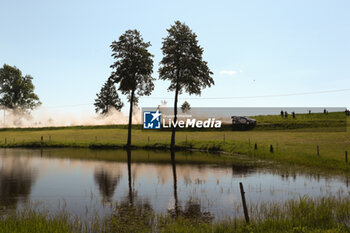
(131, 193)
(16, 180)
(181, 185)
(107, 183)
(192, 208)
(241, 169)
(130, 208)
(176, 204)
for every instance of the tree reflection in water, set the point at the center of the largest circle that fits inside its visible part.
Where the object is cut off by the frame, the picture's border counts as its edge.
(134, 213)
(16, 180)
(192, 209)
(107, 183)
(131, 214)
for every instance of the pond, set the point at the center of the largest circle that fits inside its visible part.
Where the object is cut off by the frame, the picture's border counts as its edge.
(85, 182)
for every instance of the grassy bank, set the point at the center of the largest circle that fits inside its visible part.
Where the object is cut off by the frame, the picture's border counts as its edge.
(293, 146)
(290, 146)
(331, 214)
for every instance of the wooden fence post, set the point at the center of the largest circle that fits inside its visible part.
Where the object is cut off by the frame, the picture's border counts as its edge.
(318, 150)
(346, 156)
(245, 209)
(271, 148)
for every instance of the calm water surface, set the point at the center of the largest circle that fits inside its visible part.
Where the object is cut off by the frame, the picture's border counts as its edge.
(85, 182)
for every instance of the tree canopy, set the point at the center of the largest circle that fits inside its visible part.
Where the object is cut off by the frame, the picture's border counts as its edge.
(107, 98)
(16, 90)
(133, 65)
(182, 62)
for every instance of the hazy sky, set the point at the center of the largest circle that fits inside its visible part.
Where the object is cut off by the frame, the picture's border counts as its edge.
(254, 48)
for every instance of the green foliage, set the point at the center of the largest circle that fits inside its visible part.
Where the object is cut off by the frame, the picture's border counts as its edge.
(185, 107)
(131, 218)
(328, 214)
(318, 215)
(107, 98)
(182, 63)
(34, 221)
(16, 90)
(133, 65)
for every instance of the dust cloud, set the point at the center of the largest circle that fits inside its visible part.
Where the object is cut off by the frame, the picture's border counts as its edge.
(43, 117)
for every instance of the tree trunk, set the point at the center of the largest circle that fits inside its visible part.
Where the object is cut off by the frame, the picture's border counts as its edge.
(130, 118)
(172, 144)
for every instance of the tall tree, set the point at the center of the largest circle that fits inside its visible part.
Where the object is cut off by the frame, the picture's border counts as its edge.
(183, 66)
(16, 90)
(108, 98)
(133, 69)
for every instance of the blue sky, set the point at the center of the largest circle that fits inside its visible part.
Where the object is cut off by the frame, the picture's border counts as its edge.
(254, 48)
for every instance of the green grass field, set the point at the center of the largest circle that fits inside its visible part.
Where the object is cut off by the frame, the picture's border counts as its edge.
(335, 121)
(292, 146)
